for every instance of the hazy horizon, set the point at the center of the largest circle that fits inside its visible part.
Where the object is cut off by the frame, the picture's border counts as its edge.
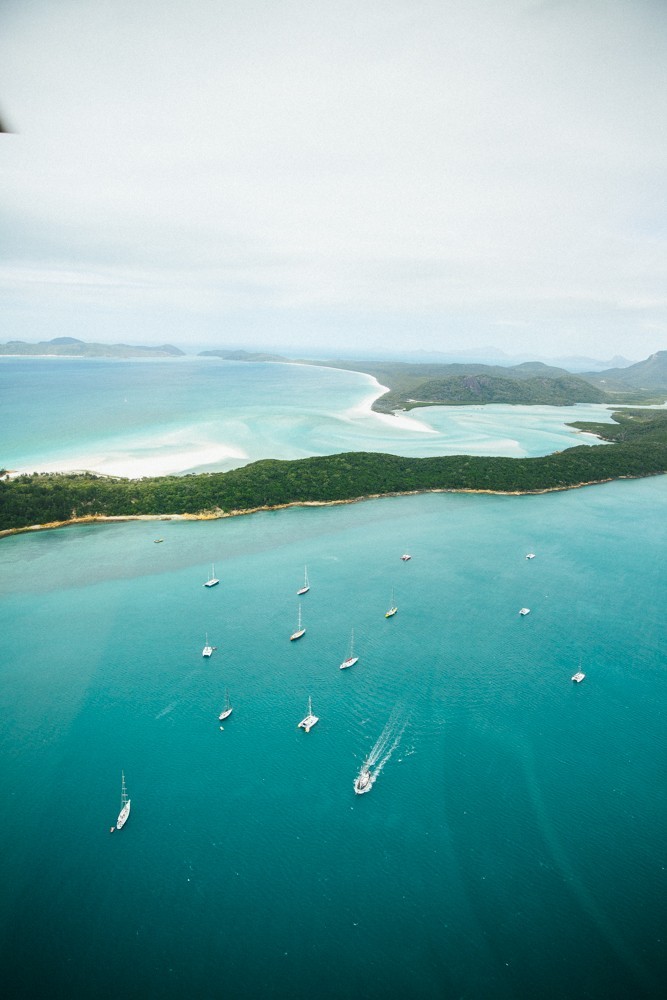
(388, 178)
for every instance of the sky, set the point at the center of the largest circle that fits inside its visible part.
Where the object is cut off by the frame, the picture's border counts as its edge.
(365, 175)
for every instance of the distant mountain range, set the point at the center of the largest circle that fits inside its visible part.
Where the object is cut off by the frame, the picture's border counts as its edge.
(70, 347)
(413, 384)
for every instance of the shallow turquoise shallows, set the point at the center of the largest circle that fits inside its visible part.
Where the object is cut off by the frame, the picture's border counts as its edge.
(141, 418)
(513, 843)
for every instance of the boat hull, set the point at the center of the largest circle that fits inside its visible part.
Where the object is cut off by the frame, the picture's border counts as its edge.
(349, 662)
(297, 635)
(225, 714)
(123, 816)
(363, 783)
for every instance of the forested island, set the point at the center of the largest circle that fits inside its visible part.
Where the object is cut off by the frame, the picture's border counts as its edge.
(71, 347)
(637, 447)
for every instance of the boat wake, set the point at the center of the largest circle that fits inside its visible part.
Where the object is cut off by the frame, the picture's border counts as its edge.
(388, 741)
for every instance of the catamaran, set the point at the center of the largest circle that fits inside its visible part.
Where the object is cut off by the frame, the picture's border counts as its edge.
(299, 628)
(309, 720)
(306, 584)
(579, 676)
(124, 804)
(406, 557)
(352, 659)
(364, 781)
(213, 580)
(228, 709)
(392, 607)
(208, 649)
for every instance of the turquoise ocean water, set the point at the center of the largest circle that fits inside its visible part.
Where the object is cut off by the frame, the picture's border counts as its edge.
(182, 415)
(513, 844)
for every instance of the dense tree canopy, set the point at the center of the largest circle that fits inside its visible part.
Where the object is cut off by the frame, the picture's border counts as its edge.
(639, 448)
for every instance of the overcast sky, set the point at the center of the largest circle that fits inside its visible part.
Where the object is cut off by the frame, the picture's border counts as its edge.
(371, 174)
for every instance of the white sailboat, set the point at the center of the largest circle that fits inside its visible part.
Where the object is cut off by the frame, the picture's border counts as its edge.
(579, 676)
(310, 719)
(208, 649)
(213, 581)
(300, 630)
(306, 583)
(228, 709)
(124, 804)
(406, 557)
(352, 659)
(392, 607)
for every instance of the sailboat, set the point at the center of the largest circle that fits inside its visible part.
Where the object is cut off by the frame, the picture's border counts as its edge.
(300, 630)
(124, 804)
(208, 649)
(406, 557)
(310, 719)
(579, 676)
(352, 659)
(306, 584)
(228, 709)
(213, 580)
(392, 607)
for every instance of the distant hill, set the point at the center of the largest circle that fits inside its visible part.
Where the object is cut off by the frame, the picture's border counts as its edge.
(241, 356)
(530, 383)
(70, 347)
(650, 374)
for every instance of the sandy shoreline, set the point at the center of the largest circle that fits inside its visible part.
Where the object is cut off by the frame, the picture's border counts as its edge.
(215, 515)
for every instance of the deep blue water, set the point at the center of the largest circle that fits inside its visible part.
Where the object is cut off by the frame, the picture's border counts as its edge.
(513, 845)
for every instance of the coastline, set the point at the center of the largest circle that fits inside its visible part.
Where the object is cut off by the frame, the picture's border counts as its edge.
(216, 515)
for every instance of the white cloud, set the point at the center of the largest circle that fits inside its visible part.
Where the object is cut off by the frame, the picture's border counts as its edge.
(344, 167)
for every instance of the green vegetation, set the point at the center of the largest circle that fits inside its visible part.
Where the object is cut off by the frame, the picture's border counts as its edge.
(638, 448)
(412, 385)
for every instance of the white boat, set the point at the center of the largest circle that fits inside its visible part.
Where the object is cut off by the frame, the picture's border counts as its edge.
(406, 557)
(309, 720)
(124, 804)
(579, 676)
(392, 607)
(524, 611)
(531, 555)
(300, 630)
(208, 649)
(352, 659)
(213, 582)
(228, 709)
(364, 781)
(306, 584)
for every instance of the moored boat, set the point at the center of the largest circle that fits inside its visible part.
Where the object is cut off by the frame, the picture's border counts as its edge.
(391, 611)
(300, 630)
(524, 611)
(213, 580)
(208, 649)
(124, 804)
(306, 583)
(309, 721)
(228, 709)
(352, 659)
